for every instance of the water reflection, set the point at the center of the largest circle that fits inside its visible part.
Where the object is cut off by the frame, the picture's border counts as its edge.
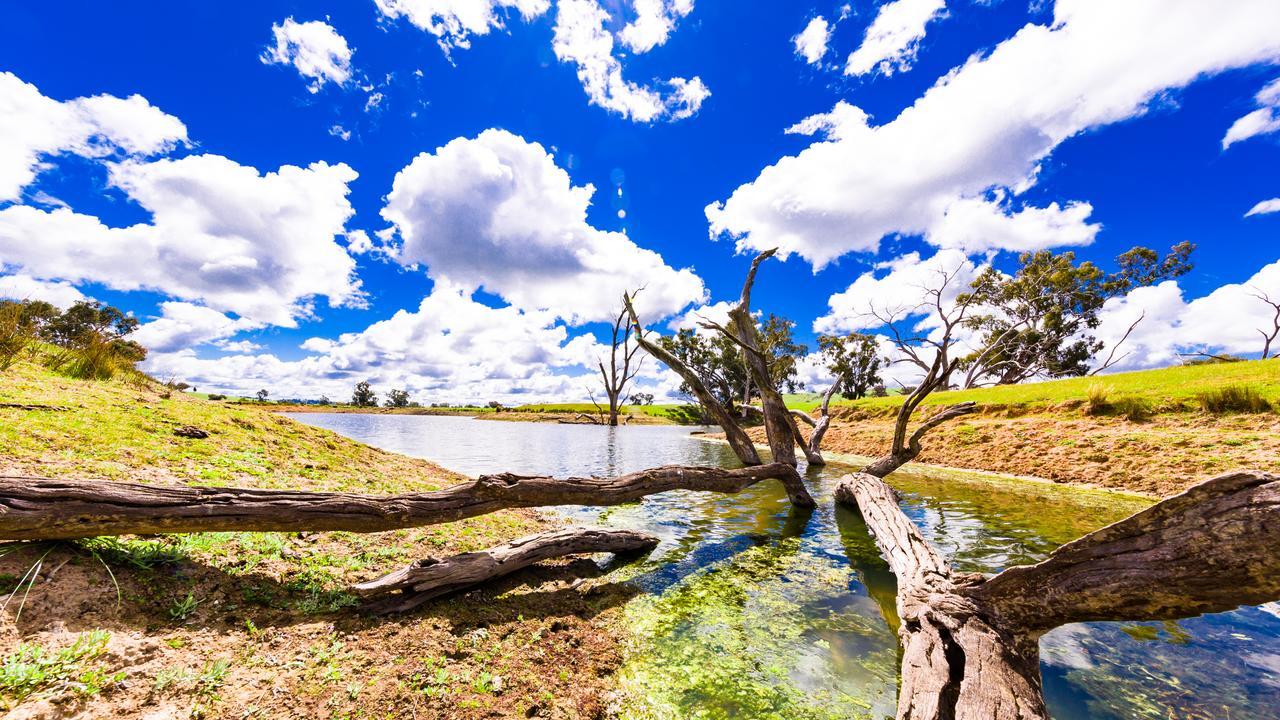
(757, 610)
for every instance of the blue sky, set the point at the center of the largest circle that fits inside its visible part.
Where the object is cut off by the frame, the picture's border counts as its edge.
(968, 131)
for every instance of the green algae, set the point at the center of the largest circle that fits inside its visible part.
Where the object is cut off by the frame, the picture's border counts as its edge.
(762, 635)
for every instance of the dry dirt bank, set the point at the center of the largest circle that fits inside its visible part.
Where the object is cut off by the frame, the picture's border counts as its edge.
(1157, 457)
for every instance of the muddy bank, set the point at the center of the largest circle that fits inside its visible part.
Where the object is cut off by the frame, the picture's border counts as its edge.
(1157, 457)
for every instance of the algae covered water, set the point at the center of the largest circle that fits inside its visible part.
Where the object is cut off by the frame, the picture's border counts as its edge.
(754, 609)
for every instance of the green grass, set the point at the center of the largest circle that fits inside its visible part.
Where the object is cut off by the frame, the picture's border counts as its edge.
(123, 428)
(671, 412)
(1174, 388)
(31, 668)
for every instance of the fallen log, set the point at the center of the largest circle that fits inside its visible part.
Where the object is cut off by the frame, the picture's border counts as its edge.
(970, 644)
(410, 587)
(49, 509)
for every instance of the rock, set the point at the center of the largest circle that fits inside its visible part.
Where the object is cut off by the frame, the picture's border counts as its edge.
(191, 431)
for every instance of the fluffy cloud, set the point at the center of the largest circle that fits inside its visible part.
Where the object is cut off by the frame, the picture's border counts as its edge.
(894, 37)
(183, 325)
(496, 212)
(811, 43)
(33, 127)
(1265, 207)
(1227, 320)
(24, 287)
(450, 349)
(1264, 120)
(653, 23)
(990, 123)
(453, 22)
(314, 49)
(896, 288)
(581, 38)
(978, 225)
(260, 245)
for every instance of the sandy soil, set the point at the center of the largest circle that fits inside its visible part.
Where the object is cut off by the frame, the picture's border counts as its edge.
(257, 646)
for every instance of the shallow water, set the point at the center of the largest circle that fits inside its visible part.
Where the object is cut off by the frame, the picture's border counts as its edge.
(756, 610)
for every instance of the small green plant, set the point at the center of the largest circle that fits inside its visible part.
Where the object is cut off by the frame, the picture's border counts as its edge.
(205, 683)
(31, 668)
(183, 608)
(1233, 399)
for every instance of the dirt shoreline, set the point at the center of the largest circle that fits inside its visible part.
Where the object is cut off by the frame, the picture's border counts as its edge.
(1156, 458)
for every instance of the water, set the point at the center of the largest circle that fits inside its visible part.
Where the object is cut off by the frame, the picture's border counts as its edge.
(755, 609)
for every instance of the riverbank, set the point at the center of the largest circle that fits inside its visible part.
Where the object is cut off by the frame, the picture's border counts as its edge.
(260, 624)
(1145, 433)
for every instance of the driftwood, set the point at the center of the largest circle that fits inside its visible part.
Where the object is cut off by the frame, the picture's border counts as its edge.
(970, 644)
(410, 587)
(48, 509)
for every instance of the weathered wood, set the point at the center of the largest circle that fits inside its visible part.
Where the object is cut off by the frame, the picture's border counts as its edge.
(738, 439)
(48, 509)
(780, 427)
(410, 587)
(970, 643)
(955, 663)
(905, 449)
(1210, 549)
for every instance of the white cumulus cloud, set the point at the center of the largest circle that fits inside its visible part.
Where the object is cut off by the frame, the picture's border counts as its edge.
(582, 38)
(314, 48)
(811, 43)
(1227, 320)
(654, 20)
(989, 124)
(260, 245)
(34, 127)
(55, 292)
(894, 37)
(496, 212)
(184, 325)
(453, 22)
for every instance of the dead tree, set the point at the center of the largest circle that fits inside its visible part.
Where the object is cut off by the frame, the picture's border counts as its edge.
(49, 509)
(1269, 336)
(623, 364)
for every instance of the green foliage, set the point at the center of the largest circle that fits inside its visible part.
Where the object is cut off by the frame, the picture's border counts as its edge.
(364, 396)
(32, 668)
(1233, 399)
(183, 608)
(854, 360)
(89, 337)
(719, 364)
(397, 398)
(1039, 321)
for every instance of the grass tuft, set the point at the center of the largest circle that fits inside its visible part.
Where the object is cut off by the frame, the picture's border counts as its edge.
(1233, 399)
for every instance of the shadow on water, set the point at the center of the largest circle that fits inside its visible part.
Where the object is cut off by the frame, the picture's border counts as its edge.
(749, 608)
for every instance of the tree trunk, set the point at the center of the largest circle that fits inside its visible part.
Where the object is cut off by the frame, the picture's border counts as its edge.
(737, 437)
(46, 509)
(970, 644)
(409, 587)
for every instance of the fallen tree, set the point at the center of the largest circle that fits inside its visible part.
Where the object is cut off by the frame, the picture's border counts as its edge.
(410, 587)
(50, 509)
(971, 643)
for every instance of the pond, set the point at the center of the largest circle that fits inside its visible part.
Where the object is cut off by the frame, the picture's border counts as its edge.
(754, 609)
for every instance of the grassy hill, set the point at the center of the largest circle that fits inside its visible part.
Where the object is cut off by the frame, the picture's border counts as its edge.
(1173, 389)
(261, 624)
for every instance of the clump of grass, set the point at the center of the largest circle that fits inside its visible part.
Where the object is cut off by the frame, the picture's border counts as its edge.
(31, 668)
(16, 333)
(1097, 403)
(1233, 399)
(1130, 407)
